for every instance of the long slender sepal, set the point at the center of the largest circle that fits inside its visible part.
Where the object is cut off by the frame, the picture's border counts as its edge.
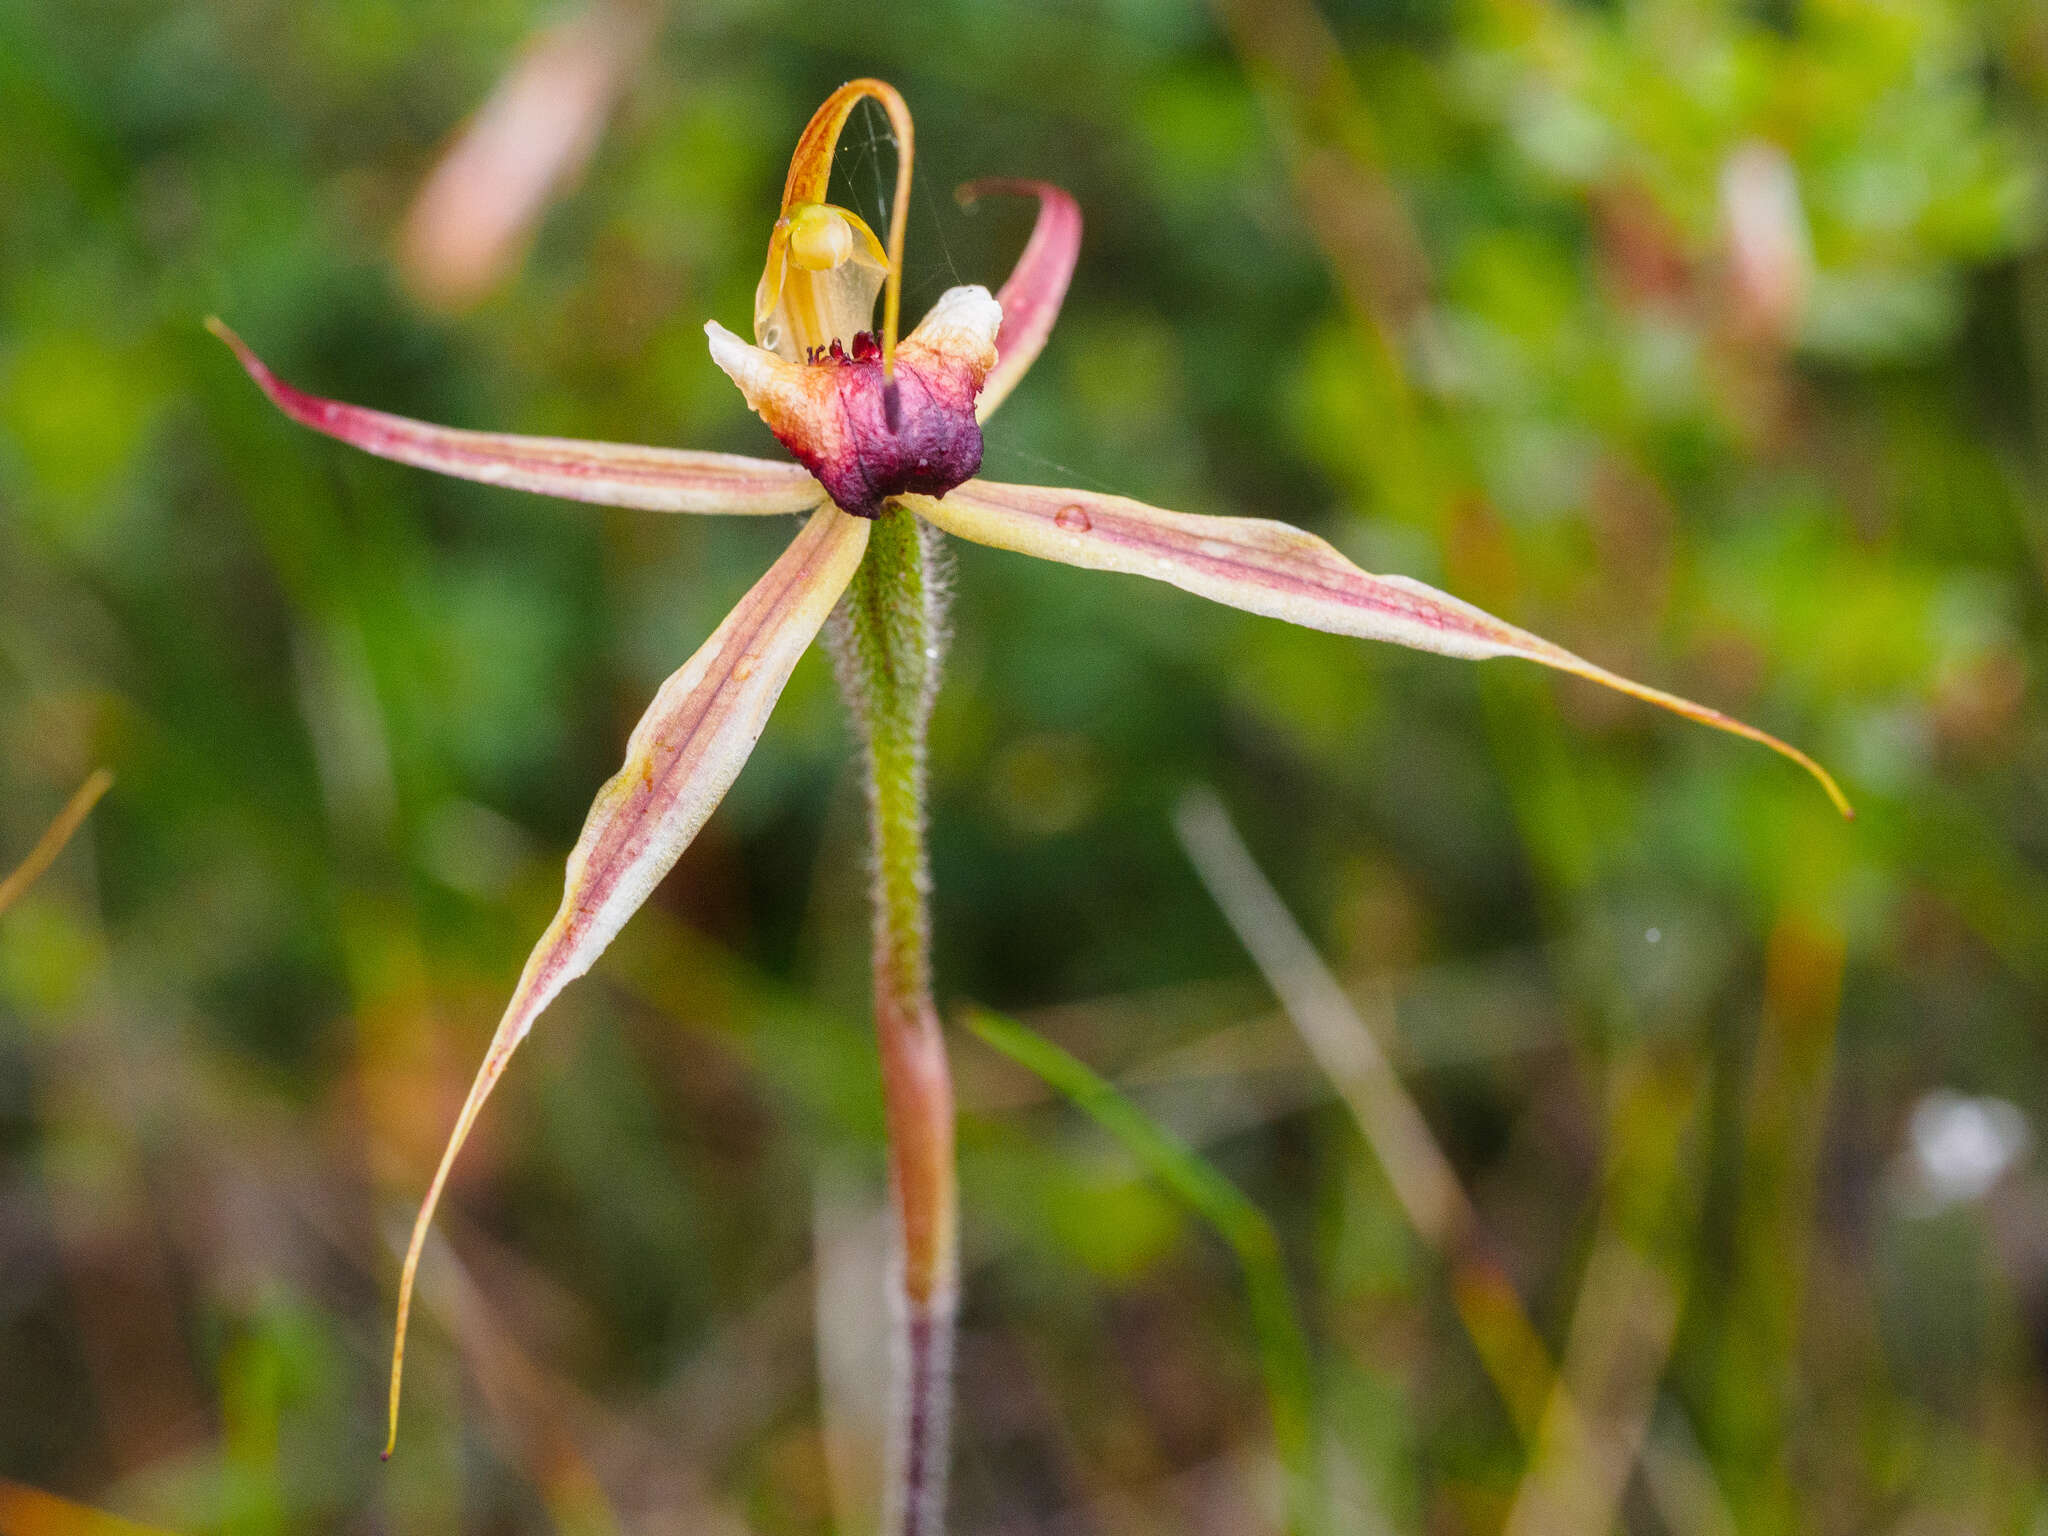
(681, 759)
(609, 474)
(1273, 569)
(1036, 286)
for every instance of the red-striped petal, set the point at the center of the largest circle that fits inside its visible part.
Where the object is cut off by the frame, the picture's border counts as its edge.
(683, 756)
(609, 474)
(1273, 569)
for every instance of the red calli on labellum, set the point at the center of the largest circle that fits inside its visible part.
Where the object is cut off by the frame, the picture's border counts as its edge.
(868, 437)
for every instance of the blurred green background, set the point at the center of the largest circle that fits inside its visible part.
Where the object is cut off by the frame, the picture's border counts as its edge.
(1710, 340)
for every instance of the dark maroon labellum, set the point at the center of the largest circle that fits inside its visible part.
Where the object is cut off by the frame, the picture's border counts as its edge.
(925, 439)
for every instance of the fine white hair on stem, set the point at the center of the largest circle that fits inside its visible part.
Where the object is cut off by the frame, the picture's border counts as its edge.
(937, 555)
(852, 669)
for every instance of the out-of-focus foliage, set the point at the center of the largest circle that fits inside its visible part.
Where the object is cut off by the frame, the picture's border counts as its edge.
(1704, 339)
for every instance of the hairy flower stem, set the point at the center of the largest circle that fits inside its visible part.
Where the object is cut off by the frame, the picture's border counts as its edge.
(888, 638)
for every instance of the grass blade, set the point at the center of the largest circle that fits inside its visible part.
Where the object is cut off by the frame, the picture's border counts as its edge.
(52, 842)
(1276, 1325)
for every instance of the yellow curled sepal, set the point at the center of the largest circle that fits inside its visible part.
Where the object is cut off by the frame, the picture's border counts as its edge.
(825, 269)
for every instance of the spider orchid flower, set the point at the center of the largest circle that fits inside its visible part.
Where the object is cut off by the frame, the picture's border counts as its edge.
(886, 432)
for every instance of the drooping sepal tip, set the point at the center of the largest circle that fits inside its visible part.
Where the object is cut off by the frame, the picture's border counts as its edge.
(1825, 779)
(223, 332)
(480, 1089)
(1564, 661)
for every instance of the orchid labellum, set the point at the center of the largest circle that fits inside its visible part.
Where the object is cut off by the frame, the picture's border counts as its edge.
(886, 433)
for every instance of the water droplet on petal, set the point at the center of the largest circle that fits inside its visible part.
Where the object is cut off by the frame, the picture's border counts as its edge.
(1074, 519)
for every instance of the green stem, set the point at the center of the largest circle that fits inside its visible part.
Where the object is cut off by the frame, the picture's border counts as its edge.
(888, 637)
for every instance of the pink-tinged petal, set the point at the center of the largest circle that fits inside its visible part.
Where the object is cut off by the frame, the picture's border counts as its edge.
(526, 145)
(1272, 569)
(681, 759)
(609, 474)
(1031, 298)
